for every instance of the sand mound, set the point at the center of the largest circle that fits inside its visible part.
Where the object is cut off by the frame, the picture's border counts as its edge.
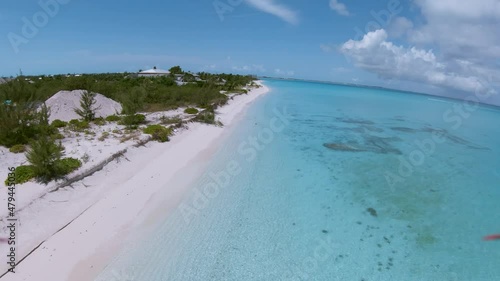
(62, 105)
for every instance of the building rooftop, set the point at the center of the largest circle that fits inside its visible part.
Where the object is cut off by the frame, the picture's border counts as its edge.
(155, 71)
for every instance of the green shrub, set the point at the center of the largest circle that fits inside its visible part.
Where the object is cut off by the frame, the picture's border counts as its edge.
(67, 165)
(43, 156)
(89, 132)
(57, 136)
(207, 117)
(191, 110)
(113, 118)
(170, 120)
(100, 121)
(18, 148)
(239, 91)
(104, 136)
(23, 122)
(78, 126)
(133, 100)
(158, 132)
(59, 124)
(132, 121)
(22, 174)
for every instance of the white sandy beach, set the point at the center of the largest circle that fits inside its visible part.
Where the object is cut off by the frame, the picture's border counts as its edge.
(80, 228)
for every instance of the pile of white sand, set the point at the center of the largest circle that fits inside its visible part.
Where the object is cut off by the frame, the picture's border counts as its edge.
(62, 105)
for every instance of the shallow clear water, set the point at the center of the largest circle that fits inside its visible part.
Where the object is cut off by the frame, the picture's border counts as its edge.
(353, 187)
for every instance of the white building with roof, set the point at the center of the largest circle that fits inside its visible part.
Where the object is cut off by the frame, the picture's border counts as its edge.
(154, 72)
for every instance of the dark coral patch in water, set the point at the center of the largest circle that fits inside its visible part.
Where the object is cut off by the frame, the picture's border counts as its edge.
(371, 144)
(443, 134)
(343, 147)
(355, 121)
(405, 129)
(372, 212)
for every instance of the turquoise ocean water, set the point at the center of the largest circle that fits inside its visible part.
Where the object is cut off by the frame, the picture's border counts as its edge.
(344, 183)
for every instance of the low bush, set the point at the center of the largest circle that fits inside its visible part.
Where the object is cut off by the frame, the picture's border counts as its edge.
(59, 124)
(207, 117)
(240, 91)
(170, 120)
(158, 132)
(18, 148)
(78, 126)
(57, 136)
(132, 121)
(104, 136)
(21, 175)
(191, 110)
(113, 118)
(99, 121)
(67, 165)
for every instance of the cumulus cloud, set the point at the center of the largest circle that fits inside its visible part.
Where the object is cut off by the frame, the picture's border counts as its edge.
(466, 34)
(377, 55)
(472, 10)
(455, 46)
(273, 8)
(463, 30)
(338, 7)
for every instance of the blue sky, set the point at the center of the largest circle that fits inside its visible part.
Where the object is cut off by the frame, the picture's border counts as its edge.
(447, 47)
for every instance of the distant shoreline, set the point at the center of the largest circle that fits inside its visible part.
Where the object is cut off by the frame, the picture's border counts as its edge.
(352, 85)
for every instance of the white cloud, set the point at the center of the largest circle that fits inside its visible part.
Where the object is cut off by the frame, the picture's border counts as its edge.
(399, 26)
(454, 44)
(466, 34)
(377, 55)
(471, 10)
(273, 8)
(464, 30)
(338, 7)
